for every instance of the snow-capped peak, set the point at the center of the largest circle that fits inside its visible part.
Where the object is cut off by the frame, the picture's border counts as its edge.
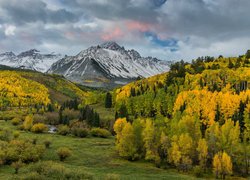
(31, 59)
(111, 45)
(110, 62)
(7, 54)
(30, 52)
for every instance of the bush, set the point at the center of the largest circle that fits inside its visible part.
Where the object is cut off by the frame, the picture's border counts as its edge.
(16, 134)
(5, 134)
(79, 132)
(52, 118)
(39, 119)
(15, 121)
(63, 130)
(98, 132)
(17, 165)
(39, 128)
(71, 114)
(63, 153)
(52, 170)
(28, 122)
(24, 150)
(198, 171)
(47, 143)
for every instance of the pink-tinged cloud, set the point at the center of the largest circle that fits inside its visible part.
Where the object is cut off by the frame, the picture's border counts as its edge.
(114, 34)
(138, 26)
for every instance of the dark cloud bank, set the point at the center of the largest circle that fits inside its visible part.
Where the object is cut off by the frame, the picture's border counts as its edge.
(168, 29)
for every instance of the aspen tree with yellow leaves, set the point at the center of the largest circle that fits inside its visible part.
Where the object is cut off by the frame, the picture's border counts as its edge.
(222, 165)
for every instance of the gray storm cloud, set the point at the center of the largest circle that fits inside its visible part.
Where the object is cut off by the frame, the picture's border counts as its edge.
(200, 27)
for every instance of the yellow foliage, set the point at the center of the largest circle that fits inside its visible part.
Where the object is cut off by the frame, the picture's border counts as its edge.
(222, 164)
(28, 122)
(118, 127)
(204, 103)
(203, 152)
(18, 91)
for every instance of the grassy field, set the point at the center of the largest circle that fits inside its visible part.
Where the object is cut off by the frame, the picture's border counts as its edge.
(94, 155)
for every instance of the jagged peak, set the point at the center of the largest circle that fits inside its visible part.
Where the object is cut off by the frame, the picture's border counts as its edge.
(134, 54)
(28, 53)
(111, 45)
(8, 54)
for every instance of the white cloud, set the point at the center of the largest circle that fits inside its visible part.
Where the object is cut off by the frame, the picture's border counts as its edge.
(10, 30)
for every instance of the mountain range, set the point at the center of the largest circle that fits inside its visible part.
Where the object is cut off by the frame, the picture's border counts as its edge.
(31, 59)
(105, 65)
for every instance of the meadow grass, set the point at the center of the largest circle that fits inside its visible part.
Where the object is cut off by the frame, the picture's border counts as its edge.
(94, 155)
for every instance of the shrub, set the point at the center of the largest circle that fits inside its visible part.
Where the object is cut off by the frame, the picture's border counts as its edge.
(52, 118)
(16, 134)
(39, 119)
(198, 172)
(71, 114)
(63, 153)
(17, 165)
(28, 122)
(52, 170)
(79, 132)
(5, 134)
(15, 121)
(63, 130)
(41, 111)
(25, 150)
(47, 143)
(39, 128)
(98, 132)
(49, 169)
(2, 153)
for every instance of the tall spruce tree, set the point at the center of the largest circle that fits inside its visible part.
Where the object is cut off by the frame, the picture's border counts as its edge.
(108, 100)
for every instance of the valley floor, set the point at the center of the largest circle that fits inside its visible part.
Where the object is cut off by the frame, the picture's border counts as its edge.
(94, 155)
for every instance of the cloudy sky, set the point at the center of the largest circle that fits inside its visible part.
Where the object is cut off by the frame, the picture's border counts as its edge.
(167, 29)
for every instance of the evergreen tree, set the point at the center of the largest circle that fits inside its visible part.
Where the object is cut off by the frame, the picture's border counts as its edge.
(60, 116)
(108, 100)
(238, 63)
(230, 64)
(248, 54)
(82, 114)
(96, 120)
(122, 113)
(132, 92)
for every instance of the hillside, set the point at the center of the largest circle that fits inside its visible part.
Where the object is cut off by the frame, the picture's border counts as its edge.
(194, 119)
(189, 117)
(24, 88)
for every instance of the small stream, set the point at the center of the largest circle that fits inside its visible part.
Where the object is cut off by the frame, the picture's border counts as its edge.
(52, 129)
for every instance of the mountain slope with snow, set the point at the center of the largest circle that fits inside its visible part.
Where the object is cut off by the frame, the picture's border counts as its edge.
(108, 65)
(31, 59)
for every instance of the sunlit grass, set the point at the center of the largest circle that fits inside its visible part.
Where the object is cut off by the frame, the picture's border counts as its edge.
(94, 155)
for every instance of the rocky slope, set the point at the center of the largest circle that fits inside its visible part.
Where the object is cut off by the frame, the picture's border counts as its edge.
(108, 65)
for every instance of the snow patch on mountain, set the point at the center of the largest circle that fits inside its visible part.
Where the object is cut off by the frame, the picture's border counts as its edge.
(108, 61)
(31, 59)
